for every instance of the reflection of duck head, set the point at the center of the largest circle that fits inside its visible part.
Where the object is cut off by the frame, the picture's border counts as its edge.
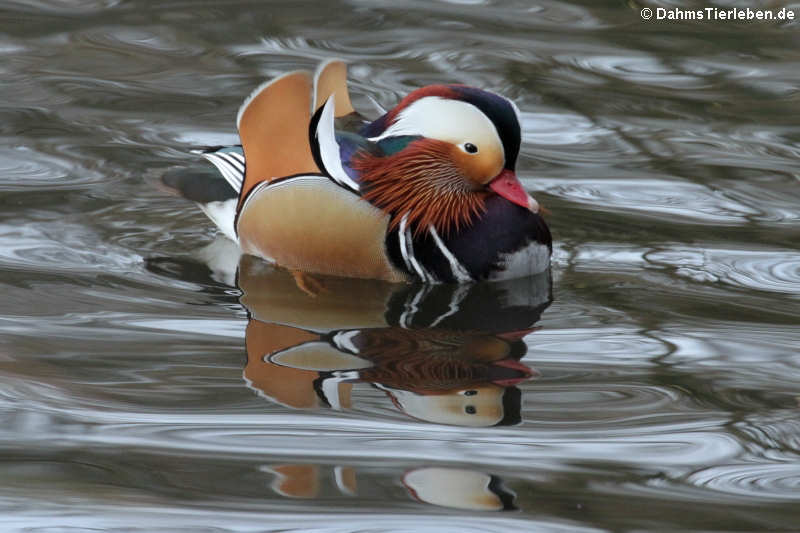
(446, 354)
(459, 489)
(456, 488)
(479, 406)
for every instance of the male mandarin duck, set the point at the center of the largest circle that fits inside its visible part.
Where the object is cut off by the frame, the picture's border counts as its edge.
(426, 192)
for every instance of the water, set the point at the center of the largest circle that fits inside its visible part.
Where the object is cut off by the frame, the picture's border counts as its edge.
(659, 390)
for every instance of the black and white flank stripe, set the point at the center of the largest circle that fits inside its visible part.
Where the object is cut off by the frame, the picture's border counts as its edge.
(229, 162)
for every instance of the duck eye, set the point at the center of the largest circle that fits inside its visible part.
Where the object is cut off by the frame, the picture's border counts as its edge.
(470, 148)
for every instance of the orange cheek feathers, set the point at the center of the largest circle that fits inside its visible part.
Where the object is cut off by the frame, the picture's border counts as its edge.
(478, 168)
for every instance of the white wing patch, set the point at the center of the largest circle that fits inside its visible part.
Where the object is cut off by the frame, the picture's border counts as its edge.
(325, 136)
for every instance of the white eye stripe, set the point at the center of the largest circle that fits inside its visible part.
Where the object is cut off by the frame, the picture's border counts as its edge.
(445, 119)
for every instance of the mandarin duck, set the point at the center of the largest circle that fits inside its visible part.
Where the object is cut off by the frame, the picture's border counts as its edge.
(425, 192)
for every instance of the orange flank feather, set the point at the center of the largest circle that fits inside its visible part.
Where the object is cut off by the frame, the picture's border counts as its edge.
(331, 79)
(273, 127)
(423, 182)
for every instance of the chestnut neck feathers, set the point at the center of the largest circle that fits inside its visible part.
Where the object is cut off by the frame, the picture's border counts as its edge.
(423, 184)
(437, 150)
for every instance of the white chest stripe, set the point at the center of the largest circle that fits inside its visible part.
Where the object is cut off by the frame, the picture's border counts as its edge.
(456, 268)
(407, 250)
(401, 235)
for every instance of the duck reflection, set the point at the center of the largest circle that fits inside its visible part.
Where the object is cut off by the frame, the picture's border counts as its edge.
(459, 488)
(456, 488)
(447, 354)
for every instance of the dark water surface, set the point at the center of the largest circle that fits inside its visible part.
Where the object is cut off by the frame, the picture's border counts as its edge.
(142, 390)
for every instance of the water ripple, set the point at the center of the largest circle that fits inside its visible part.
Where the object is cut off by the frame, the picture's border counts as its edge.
(676, 440)
(777, 434)
(22, 169)
(64, 247)
(758, 480)
(56, 514)
(635, 68)
(587, 345)
(769, 270)
(680, 201)
(63, 7)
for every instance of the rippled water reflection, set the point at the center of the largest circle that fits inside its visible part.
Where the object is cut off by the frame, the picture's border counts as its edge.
(146, 388)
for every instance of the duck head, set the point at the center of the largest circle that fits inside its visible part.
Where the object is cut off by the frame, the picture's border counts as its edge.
(439, 154)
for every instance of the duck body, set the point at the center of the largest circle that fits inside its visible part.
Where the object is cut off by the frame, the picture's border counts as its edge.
(426, 192)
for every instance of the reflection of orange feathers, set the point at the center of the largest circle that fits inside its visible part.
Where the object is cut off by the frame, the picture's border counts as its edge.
(296, 481)
(388, 343)
(289, 386)
(306, 480)
(428, 360)
(293, 387)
